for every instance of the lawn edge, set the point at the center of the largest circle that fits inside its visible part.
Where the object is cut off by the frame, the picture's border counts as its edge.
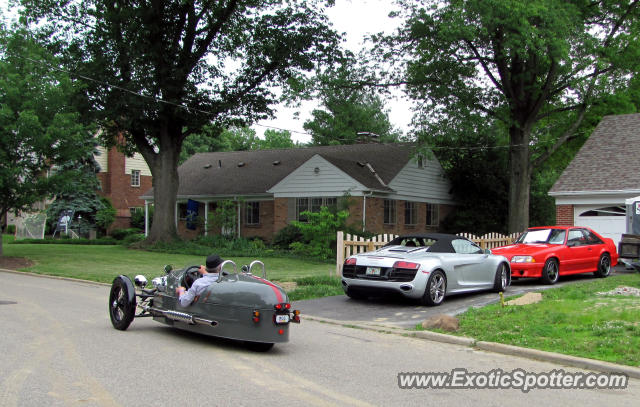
(511, 350)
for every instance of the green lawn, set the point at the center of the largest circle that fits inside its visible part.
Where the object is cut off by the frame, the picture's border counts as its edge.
(573, 320)
(103, 263)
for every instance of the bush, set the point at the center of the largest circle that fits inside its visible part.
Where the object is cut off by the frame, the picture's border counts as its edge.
(121, 234)
(67, 240)
(105, 216)
(137, 219)
(132, 238)
(11, 229)
(320, 231)
(286, 236)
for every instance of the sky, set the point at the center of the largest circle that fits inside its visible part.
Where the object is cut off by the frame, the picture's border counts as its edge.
(357, 19)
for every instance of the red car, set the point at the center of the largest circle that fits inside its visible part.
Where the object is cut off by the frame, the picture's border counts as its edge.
(552, 251)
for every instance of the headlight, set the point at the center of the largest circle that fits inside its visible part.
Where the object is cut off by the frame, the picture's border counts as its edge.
(523, 259)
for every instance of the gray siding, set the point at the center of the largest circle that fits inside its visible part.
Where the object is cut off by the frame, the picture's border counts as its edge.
(306, 182)
(427, 184)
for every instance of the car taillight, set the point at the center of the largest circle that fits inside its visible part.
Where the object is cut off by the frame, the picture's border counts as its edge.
(278, 307)
(350, 261)
(406, 265)
(256, 316)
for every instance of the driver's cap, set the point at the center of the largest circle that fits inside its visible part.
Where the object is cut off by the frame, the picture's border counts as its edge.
(213, 261)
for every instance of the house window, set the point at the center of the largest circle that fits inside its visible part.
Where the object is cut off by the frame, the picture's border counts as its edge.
(313, 205)
(410, 214)
(432, 215)
(252, 213)
(135, 178)
(389, 212)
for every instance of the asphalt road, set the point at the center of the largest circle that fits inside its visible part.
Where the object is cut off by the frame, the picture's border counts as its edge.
(400, 312)
(59, 349)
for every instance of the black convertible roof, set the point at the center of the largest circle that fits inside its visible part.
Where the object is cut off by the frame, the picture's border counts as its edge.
(442, 241)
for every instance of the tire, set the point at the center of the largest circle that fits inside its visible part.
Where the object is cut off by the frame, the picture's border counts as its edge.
(259, 346)
(604, 266)
(436, 288)
(550, 272)
(356, 295)
(122, 303)
(502, 278)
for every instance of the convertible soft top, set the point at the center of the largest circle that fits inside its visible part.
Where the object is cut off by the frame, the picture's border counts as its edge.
(437, 242)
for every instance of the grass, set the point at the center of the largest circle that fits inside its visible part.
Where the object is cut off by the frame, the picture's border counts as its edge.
(315, 287)
(104, 263)
(573, 320)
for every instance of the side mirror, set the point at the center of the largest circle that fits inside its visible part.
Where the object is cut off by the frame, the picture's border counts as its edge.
(487, 251)
(245, 269)
(168, 268)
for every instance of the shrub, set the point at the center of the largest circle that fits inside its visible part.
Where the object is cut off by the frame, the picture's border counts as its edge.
(105, 216)
(120, 234)
(137, 219)
(11, 229)
(132, 238)
(320, 231)
(286, 236)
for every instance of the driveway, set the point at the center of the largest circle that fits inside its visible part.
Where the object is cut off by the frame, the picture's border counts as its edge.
(400, 312)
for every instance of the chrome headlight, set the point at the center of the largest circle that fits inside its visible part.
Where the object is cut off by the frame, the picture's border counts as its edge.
(160, 283)
(140, 281)
(523, 259)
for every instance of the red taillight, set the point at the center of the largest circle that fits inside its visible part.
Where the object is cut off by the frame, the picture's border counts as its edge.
(406, 265)
(281, 331)
(256, 316)
(278, 307)
(350, 261)
(287, 306)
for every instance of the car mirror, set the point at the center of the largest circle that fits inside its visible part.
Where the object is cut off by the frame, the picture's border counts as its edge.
(168, 268)
(487, 251)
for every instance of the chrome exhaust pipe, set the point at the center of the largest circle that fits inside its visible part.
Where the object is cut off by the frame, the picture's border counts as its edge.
(183, 317)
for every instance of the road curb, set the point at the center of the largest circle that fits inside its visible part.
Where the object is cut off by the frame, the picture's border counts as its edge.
(544, 356)
(77, 280)
(559, 358)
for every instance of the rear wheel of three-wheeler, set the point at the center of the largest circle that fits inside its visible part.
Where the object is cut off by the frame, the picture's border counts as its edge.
(122, 303)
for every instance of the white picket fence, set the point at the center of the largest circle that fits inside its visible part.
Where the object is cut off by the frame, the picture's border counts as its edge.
(350, 244)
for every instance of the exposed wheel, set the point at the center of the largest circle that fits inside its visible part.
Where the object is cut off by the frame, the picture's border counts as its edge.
(436, 289)
(259, 346)
(604, 266)
(502, 278)
(550, 272)
(355, 294)
(122, 303)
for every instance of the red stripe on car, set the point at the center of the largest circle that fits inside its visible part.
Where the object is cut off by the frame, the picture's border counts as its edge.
(274, 287)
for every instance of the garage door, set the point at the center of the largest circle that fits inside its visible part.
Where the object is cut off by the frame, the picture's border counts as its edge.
(608, 221)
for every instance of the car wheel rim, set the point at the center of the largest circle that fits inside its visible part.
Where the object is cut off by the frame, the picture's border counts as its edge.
(117, 305)
(552, 271)
(503, 276)
(437, 289)
(605, 265)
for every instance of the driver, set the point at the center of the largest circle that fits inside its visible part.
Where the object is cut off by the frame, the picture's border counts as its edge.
(210, 275)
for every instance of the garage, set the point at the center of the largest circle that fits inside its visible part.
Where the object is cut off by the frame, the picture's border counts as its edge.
(608, 221)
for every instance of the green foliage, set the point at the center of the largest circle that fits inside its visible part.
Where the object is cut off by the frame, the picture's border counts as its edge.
(320, 231)
(225, 217)
(66, 240)
(175, 67)
(121, 234)
(277, 139)
(286, 236)
(107, 215)
(521, 64)
(44, 147)
(315, 287)
(348, 110)
(11, 229)
(137, 218)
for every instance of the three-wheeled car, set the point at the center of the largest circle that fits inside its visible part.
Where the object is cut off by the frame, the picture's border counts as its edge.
(239, 305)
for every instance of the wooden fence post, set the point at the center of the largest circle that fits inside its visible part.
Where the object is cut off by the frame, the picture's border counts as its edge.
(340, 256)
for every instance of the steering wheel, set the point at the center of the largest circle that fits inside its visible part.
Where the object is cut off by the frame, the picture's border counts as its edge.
(191, 274)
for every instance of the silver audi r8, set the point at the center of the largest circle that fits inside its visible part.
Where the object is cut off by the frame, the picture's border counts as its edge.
(426, 267)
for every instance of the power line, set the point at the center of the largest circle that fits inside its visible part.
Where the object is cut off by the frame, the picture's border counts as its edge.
(158, 100)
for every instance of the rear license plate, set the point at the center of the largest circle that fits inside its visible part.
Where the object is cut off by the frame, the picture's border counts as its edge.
(373, 271)
(282, 319)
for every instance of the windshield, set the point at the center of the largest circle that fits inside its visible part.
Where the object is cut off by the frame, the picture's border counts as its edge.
(548, 236)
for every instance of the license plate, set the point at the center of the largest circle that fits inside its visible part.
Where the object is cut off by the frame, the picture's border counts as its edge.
(282, 319)
(373, 271)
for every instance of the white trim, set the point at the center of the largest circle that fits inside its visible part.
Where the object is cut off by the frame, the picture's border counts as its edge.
(601, 192)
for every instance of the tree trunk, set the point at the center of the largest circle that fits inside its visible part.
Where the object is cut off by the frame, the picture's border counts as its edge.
(165, 190)
(519, 179)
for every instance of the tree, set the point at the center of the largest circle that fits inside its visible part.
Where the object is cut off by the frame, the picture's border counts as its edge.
(519, 62)
(277, 139)
(41, 137)
(348, 111)
(160, 71)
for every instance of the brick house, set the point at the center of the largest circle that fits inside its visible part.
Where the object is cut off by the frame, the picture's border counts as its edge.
(593, 188)
(390, 190)
(123, 179)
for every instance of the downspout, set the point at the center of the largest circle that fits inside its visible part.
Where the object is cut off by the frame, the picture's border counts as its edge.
(206, 217)
(364, 210)
(146, 218)
(238, 204)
